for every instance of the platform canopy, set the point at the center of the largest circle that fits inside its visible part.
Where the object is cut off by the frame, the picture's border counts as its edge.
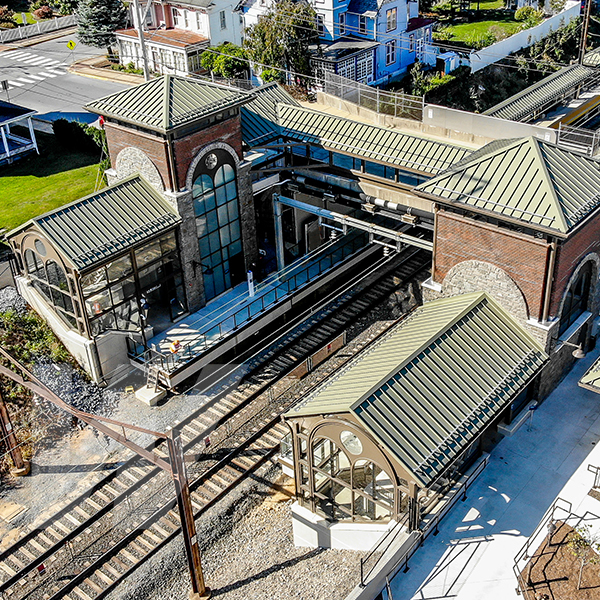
(168, 102)
(526, 181)
(105, 223)
(433, 384)
(528, 103)
(591, 379)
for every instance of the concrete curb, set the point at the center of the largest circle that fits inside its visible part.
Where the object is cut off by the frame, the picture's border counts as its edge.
(88, 67)
(37, 39)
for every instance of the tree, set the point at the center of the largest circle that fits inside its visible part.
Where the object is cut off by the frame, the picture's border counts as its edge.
(98, 20)
(281, 39)
(65, 7)
(584, 544)
(227, 60)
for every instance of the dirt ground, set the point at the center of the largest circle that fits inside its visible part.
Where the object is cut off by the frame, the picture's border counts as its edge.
(553, 571)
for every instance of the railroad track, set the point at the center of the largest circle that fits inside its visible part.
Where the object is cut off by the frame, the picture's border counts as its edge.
(57, 540)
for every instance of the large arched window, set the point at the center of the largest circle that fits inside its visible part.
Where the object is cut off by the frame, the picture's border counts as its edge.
(577, 298)
(218, 223)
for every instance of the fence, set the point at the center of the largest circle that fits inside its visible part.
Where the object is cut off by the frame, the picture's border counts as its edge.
(559, 513)
(578, 139)
(27, 31)
(228, 318)
(388, 103)
(480, 59)
(431, 526)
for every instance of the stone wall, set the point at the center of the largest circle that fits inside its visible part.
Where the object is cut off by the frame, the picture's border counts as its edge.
(131, 161)
(247, 216)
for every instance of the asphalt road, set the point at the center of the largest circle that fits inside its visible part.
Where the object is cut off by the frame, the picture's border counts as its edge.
(38, 79)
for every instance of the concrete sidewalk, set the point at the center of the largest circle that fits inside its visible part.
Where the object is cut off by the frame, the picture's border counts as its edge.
(472, 556)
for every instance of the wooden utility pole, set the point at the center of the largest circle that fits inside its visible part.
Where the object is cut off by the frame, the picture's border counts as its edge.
(21, 467)
(584, 30)
(175, 468)
(140, 29)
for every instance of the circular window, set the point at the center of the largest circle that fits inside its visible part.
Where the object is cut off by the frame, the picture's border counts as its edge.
(40, 248)
(211, 161)
(351, 442)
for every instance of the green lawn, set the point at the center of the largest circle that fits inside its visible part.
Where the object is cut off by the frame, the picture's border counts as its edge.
(488, 4)
(36, 184)
(28, 16)
(467, 31)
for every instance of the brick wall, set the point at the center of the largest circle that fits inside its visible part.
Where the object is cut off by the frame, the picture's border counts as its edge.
(185, 149)
(523, 258)
(154, 148)
(569, 255)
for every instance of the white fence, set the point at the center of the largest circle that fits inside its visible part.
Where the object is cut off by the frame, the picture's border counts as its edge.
(480, 59)
(27, 31)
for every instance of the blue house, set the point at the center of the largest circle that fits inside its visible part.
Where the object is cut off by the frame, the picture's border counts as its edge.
(370, 41)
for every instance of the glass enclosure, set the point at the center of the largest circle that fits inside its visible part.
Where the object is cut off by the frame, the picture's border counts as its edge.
(215, 197)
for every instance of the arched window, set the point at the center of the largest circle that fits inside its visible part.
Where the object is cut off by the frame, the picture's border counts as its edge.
(577, 298)
(215, 197)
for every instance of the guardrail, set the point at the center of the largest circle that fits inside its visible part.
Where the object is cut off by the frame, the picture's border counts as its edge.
(395, 104)
(282, 285)
(41, 27)
(432, 526)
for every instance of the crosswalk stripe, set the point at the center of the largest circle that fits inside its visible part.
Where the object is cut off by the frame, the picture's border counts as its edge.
(25, 80)
(47, 74)
(35, 77)
(15, 83)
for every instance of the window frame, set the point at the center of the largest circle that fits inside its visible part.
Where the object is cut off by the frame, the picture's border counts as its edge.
(391, 18)
(390, 52)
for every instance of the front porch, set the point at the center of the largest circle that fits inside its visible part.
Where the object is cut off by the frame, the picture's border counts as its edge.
(15, 146)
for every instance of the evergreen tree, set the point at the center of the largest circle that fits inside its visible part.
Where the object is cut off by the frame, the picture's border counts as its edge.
(98, 20)
(282, 37)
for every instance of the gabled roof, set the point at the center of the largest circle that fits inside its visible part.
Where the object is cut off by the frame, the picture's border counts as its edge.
(371, 142)
(526, 104)
(174, 38)
(526, 180)
(167, 102)
(94, 228)
(259, 117)
(431, 386)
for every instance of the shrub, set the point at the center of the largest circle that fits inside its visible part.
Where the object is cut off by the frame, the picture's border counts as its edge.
(443, 34)
(6, 16)
(43, 12)
(74, 136)
(529, 15)
(35, 4)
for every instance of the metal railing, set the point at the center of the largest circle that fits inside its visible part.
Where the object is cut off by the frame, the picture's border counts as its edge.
(596, 471)
(241, 310)
(578, 139)
(431, 526)
(381, 101)
(27, 31)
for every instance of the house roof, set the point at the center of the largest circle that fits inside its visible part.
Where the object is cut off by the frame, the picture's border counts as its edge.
(431, 386)
(94, 228)
(13, 112)
(526, 104)
(362, 6)
(259, 117)
(417, 23)
(370, 141)
(176, 38)
(168, 102)
(342, 48)
(525, 180)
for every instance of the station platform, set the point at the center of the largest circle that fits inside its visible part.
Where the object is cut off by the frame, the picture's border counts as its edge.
(225, 316)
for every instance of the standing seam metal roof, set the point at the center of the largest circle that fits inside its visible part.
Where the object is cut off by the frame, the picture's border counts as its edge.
(368, 141)
(167, 102)
(259, 117)
(523, 106)
(428, 388)
(529, 180)
(96, 227)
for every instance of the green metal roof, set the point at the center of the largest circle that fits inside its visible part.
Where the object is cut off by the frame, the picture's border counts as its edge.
(430, 386)
(526, 180)
(525, 105)
(368, 141)
(167, 102)
(96, 227)
(259, 117)
(591, 379)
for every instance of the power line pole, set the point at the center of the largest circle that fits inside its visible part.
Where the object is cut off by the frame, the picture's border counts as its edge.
(584, 30)
(21, 467)
(175, 468)
(140, 30)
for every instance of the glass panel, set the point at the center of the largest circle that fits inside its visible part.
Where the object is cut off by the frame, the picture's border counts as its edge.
(119, 268)
(209, 201)
(374, 169)
(93, 281)
(150, 275)
(228, 173)
(98, 303)
(223, 215)
(211, 220)
(123, 289)
(235, 247)
(168, 243)
(215, 243)
(40, 248)
(231, 190)
(103, 323)
(340, 160)
(201, 226)
(148, 253)
(221, 195)
(235, 232)
(219, 177)
(178, 304)
(56, 275)
(127, 315)
(232, 208)
(204, 246)
(224, 233)
(43, 289)
(199, 207)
